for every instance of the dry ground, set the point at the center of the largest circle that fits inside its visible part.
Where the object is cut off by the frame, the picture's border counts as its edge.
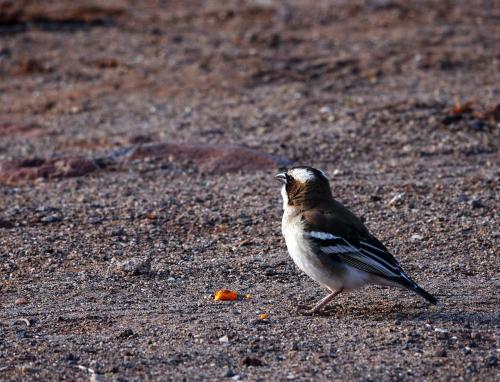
(110, 275)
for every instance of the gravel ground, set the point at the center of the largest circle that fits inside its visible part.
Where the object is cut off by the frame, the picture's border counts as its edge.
(109, 260)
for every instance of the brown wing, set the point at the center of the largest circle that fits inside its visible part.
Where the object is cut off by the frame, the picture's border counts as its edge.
(338, 232)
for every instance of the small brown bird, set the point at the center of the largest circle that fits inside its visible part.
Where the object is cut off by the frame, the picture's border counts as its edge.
(330, 244)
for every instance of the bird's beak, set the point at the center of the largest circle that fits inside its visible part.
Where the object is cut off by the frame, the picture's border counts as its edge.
(281, 177)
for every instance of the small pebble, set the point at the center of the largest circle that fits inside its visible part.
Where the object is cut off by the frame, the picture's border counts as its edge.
(51, 219)
(21, 301)
(229, 373)
(441, 352)
(397, 199)
(476, 203)
(439, 330)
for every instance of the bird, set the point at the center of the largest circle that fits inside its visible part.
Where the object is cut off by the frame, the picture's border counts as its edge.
(330, 243)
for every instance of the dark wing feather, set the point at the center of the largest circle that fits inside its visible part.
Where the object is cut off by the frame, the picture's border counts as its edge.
(343, 236)
(339, 234)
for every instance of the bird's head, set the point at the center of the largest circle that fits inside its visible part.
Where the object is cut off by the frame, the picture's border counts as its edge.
(304, 187)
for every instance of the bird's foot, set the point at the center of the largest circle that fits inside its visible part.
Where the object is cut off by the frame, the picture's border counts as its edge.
(306, 310)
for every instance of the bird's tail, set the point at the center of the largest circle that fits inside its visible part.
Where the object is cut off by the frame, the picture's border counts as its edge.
(412, 285)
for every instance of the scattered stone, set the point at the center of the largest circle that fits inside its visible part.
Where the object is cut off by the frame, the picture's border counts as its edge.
(51, 219)
(397, 200)
(416, 237)
(492, 114)
(224, 339)
(21, 334)
(492, 361)
(252, 361)
(229, 373)
(135, 266)
(476, 203)
(441, 352)
(30, 66)
(71, 358)
(439, 330)
(126, 333)
(21, 301)
(6, 224)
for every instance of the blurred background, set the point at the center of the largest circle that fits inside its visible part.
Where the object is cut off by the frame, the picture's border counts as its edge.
(293, 77)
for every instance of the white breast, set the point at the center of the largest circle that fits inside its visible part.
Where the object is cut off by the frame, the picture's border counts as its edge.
(301, 252)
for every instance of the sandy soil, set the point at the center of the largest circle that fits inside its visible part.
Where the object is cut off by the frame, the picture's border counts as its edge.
(122, 207)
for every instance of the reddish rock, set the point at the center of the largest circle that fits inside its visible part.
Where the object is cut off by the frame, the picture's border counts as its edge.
(30, 66)
(27, 129)
(492, 114)
(138, 139)
(212, 159)
(21, 301)
(32, 168)
(67, 11)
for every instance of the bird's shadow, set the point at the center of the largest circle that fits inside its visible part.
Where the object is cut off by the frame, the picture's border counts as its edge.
(419, 312)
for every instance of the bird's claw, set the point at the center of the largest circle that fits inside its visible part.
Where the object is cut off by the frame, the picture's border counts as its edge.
(305, 310)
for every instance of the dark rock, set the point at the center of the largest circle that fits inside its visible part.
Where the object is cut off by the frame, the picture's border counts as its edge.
(270, 272)
(450, 119)
(229, 373)
(71, 358)
(21, 334)
(478, 125)
(6, 224)
(493, 114)
(251, 361)
(135, 266)
(441, 352)
(492, 361)
(139, 139)
(126, 333)
(476, 203)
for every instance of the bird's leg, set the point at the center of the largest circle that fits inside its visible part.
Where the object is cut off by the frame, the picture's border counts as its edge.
(307, 310)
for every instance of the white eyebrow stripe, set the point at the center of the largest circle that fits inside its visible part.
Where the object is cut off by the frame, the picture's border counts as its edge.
(323, 235)
(302, 175)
